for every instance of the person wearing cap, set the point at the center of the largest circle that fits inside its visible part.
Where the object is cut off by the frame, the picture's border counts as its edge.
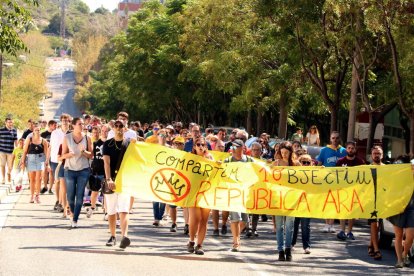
(113, 151)
(238, 220)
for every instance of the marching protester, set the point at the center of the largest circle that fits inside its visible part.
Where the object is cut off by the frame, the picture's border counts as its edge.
(8, 141)
(328, 157)
(256, 149)
(76, 150)
(56, 140)
(113, 152)
(404, 227)
(373, 247)
(17, 159)
(238, 220)
(284, 224)
(350, 160)
(304, 160)
(34, 153)
(198, 216)
(48, 176)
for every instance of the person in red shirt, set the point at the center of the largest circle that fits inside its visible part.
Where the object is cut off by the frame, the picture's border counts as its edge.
(350, 160)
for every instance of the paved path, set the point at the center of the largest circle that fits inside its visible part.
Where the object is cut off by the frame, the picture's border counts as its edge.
(37, 241)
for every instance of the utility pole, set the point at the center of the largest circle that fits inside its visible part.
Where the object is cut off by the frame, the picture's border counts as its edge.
(62, 19)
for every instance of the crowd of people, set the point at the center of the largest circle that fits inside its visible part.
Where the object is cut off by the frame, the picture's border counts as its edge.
(80, 158)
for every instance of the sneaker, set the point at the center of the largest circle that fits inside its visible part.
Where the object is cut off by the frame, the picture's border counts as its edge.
(307, 251)
(332, 229)
(125, 242)
(399, 265)
(156, 223)
(350, 236)
(235, 248)
(50, 192)
(118, 223)
(407, 261)
(216, 232)
(249, 233)
(18, 188)
(89, 212)
(190, 247)
(43, 190)
(173, 228)
(292, 248)
(186, 229)
(74, 224)
(224, 230)
(199, 250)
(111, 241)
(326, 229)
(255, 233)
(106, 217)
(288, 255)
(56, 206)
(31, 199)
(282, 256)
(37, 199)
(131, 212)
(341, 235)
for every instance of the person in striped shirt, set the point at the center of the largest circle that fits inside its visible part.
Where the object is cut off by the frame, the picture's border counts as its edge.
(8, 141)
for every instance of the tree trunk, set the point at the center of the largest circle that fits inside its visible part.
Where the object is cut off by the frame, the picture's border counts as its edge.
(412, 133)
(334, 118)
(249, 124)
(1, 74)
(283, 114)
(259, 123)
(353, 102)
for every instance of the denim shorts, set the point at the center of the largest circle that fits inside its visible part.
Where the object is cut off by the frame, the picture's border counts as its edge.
(238, 216)
(36, 162)
(61, 173)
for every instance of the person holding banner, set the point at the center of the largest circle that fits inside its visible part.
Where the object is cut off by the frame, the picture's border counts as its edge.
(198, 216)
(373, 248)
(113, 151)
(350, 160)
(284, 224)
(327, 158)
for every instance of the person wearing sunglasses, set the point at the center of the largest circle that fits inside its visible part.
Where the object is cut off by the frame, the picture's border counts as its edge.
(128, 133)
(198, 216)
(328, 157)
(304, 160)
(153, 139)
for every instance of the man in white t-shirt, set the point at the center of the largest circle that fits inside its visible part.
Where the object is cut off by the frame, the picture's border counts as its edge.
(128, 133)
(56, 139)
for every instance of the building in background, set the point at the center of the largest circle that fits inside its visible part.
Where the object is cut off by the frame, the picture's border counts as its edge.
(126, 8)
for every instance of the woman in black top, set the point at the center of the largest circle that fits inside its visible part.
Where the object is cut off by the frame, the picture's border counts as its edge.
(35, 151)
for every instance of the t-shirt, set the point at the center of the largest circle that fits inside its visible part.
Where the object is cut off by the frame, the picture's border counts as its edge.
(345, 162)
(26, 133)
(46, 135)
(56, 139)
(153, 139)
(18, 153)
(244, 158)
(97, 161)
(297, 137)
(312, 138)
(328, 155)
(115, 150)
(7, 138)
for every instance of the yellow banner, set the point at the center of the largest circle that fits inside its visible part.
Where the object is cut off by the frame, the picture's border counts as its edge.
(157, 173)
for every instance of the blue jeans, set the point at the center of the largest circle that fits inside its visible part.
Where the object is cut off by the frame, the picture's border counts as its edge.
(158, 209)
(75, 187)
(284, 232)
(305, 230)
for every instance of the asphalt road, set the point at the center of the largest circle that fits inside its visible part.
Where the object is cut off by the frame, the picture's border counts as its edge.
(37, 241)
(61, 83)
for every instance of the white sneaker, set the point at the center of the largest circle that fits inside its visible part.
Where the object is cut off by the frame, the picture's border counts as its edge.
(106, 217)
(89, 212)
(332, 229)
(118, 223)
(307, 251)
(74, 224)
(326, 229)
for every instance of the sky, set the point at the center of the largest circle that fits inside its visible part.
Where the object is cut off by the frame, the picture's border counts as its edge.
(108, 4)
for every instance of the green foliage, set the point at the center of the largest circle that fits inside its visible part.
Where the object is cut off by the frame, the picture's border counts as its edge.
(15, 18)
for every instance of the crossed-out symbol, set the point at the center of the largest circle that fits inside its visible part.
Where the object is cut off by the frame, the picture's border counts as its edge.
(170, 185)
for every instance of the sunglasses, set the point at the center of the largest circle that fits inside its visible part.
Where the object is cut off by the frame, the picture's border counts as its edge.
(178, 144)
(119, 126)
(200, 145)
(156, 128)
(306, 162)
